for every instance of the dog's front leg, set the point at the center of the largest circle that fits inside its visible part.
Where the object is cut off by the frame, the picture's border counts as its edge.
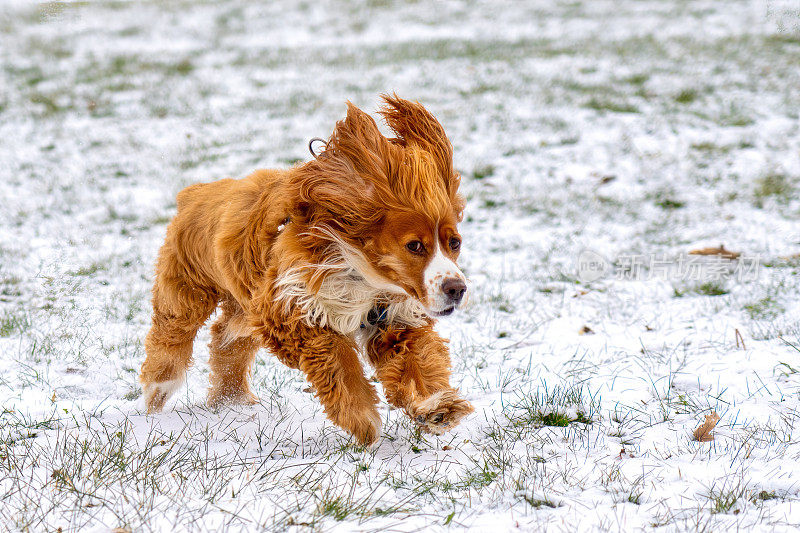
(413, 364)
(330, 362)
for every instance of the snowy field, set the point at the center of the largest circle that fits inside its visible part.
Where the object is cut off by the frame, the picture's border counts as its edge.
(626, 134)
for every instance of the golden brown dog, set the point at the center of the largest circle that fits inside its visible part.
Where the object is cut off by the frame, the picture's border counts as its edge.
(353, 251)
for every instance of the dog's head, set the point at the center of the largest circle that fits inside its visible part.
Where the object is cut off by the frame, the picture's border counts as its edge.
(390, 207)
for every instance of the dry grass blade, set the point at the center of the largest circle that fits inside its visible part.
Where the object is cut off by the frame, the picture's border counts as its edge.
(704, 433)
(719, 250)
(739, 338)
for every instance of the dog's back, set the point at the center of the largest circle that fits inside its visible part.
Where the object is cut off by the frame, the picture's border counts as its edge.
(212, 221)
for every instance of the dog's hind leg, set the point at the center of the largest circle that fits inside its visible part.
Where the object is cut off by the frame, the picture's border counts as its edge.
(232, 351)
(180, 308)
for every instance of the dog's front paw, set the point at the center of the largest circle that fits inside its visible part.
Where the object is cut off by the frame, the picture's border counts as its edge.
(439, 412)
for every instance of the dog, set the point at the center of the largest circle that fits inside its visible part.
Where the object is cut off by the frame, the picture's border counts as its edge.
(353, 252)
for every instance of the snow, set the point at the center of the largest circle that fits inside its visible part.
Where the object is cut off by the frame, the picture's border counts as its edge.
(645, 129)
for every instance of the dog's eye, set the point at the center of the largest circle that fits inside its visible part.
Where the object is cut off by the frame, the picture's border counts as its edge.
(455, 243)
(415, 247)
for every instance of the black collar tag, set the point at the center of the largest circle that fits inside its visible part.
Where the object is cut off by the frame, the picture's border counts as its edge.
(376, 316)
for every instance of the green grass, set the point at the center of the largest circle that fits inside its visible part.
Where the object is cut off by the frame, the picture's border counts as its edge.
(724, 500)
(87, 270)
(711, 288)
(765, 308)
(538, 503)
(602, 104)
(635, 498)
(637, 79)
(708, 288)
(483, 171)
(666, 199)
(776, 186)
(338, 508)
(735, 117)
(552, 408)
(670, 203)
(764, 495)
(14, 322)
(10, 288)
(478, 478)
(686, 96)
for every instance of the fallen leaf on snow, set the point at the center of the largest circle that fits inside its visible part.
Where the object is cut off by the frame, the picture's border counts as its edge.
(720, 251)
(704, 433)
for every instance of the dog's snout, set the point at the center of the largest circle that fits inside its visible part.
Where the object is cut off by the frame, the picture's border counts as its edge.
(454, 289)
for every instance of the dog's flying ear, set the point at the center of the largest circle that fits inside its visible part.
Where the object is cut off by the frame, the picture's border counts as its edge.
(358, 140)
(339, 187)
(414, 125)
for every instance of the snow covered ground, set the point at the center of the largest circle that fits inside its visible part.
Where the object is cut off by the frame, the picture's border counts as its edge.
(633, 132)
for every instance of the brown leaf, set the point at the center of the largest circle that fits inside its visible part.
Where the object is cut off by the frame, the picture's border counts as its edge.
(720, 251)
(704, 433)
(586, 330)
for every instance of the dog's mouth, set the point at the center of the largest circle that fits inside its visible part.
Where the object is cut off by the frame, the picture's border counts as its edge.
(445, 312)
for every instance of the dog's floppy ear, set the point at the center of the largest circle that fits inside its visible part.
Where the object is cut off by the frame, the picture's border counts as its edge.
(415, 125)
(340, 187)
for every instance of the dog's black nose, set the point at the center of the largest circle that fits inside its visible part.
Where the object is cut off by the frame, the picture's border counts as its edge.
(454, 288)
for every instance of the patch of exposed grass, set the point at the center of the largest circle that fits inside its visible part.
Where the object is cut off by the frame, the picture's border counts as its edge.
(634, 497)
(343, 504)
(711, 288)
(559, 407)
(337, 508)
(48, 102)
(183, 67)
(537, 503)
(764, 495)
(724, 500)
(477, 478)
(666, 199)
(291, 161)
(10, 288)
(599, 104)
(776, 186)
(670, 203)
(765, 308)
(686, 96)
(483, 171)
(13, 322)
(159, 220)
(637, 79)
(782, 38)
(711, 148)
(736, 117)
(87, 270)
(708, 288)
